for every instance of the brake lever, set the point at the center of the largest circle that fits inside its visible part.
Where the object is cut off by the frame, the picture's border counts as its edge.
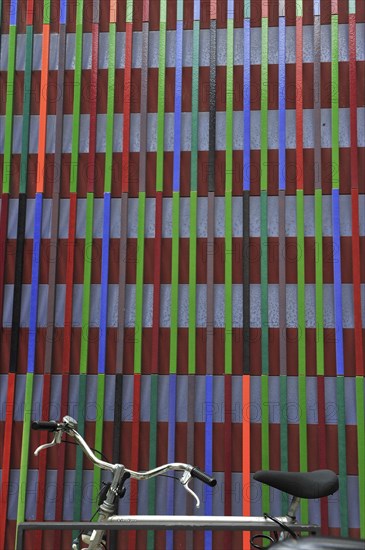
(185, 480)
(56, 440)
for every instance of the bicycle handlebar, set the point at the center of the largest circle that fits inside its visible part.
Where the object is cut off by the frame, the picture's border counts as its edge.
(69, 425)
(199, 474)
(50, 426)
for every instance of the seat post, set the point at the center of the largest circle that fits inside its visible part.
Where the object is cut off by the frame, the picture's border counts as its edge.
(293, 507)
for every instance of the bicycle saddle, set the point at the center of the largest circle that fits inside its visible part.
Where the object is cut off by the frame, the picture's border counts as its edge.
(317, 484)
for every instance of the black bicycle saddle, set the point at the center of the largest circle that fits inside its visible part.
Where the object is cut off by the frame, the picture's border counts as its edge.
(316, 484)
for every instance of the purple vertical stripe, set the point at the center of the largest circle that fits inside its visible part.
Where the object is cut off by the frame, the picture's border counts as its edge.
(13, 12)
(247, 106)
(35, 282)
(230, 9)
(63, 12)
(282, 106)
(178, 93)
(208, 452)
(337, 280)
(104, 284)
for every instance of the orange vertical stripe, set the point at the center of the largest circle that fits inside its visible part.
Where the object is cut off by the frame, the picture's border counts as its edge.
(43, 110)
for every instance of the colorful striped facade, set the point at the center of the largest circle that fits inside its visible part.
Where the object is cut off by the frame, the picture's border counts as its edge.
(182, 238)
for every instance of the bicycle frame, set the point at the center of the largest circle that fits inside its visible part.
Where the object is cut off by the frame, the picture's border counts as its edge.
(109, 520)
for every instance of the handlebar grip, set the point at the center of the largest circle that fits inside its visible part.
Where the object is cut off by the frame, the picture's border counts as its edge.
(50, 425)
(199, 474)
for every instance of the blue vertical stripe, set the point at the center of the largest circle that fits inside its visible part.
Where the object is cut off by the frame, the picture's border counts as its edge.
(13, 12)
(337, 280)
(63, 12)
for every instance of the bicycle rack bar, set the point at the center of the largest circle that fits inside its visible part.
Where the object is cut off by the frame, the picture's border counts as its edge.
(179, 523)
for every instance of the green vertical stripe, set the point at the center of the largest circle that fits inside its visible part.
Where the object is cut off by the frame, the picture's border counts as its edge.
(163, 11)
(335, 105)
(265, 457)
(110, 110)
(8, 137)
(360, 408)
(301, 283)
(299, 8)
(342, 467)
(27, 418)
(26, 109)
(129, 12)
(174, 283)
(139, 284)
(161, 107)
(192, 281)
(195, 108)
(319, 282)
(76, 100)
(98, 435)
(47, 12)
(152, 455)
(87, 283)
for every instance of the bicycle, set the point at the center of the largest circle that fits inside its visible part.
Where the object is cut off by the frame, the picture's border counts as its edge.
(311, 485)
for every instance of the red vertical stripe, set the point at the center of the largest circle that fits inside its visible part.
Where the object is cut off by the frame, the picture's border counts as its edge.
(6, 457)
